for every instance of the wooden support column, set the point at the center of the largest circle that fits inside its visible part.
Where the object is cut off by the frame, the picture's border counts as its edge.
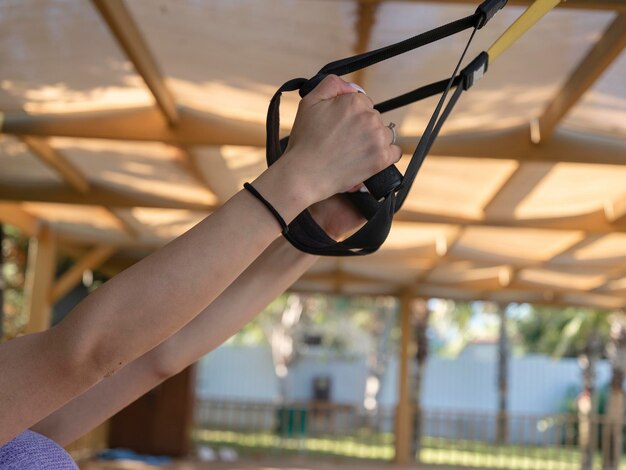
(502, 421)
(1, 284)
(39, 277)
(404, 414)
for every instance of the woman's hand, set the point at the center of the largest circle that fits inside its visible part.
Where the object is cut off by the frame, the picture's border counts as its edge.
(337, 216)
(338, 140)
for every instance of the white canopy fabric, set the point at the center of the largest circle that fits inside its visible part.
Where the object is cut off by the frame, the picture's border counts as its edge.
(126, 123)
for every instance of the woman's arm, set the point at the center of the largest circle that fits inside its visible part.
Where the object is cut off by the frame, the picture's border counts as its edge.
(270, 274)
(337, 142)
(277, 268)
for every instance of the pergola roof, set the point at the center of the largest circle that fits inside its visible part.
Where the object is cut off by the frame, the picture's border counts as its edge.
(126, 123)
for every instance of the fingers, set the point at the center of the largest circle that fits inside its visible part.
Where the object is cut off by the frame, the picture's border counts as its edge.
(357, 87)
(395, 153)
(331, 87)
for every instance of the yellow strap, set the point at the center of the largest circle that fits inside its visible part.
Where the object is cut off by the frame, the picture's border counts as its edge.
(533, 14)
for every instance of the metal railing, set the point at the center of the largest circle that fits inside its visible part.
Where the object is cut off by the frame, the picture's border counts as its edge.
(468, 439)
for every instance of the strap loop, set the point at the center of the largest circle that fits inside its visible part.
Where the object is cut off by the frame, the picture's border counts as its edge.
(304, 233)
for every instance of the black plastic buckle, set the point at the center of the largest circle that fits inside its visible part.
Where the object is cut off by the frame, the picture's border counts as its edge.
(487, 10)
(474, 70)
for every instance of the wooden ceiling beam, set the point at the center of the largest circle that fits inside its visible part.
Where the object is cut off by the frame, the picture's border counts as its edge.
(513, 296)
(139, 124)
(509, 295)
(145, 124)
(99, 195)
(72, 176)
(14, 214)
(617, 5)
(566, 146)
(131, 41)
(50, 157)
(594, 222)
(590, 68)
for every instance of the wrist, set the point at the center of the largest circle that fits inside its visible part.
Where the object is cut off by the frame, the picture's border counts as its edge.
(285, 188)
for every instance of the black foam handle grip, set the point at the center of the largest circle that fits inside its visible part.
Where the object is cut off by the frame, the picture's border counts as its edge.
(384, 182)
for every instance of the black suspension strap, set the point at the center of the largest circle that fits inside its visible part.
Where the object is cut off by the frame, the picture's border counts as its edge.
(389, 188)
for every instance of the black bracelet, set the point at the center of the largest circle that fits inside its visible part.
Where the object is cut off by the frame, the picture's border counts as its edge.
(274, 212)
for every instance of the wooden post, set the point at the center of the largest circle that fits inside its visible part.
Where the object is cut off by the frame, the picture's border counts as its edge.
(421, 314)
(502, 425)
(161, 421)
(404, 415)
(1, 285)
(40, 272)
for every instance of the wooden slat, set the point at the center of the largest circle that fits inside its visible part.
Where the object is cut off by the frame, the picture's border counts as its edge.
(130, 39)
(49, 156)
(554, 261)
(514, 190)
(39, 277)
(92, 260)
(591, 67)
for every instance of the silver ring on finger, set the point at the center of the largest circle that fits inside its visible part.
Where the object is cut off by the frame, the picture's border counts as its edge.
(392, 128)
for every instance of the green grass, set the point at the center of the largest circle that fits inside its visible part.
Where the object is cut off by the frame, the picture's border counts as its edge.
(379, 446)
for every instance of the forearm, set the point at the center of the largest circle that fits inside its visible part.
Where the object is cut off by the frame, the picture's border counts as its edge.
(272, 273)
(136, 310)
(168, 288)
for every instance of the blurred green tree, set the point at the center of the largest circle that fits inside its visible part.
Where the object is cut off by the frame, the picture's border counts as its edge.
(14, 248)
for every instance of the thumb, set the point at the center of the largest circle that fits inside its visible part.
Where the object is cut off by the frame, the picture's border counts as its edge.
(331, 87)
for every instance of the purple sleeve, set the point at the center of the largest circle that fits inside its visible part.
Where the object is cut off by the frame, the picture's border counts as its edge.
(32, 451)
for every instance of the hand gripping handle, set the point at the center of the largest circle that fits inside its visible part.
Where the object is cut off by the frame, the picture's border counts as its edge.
(382, 183)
